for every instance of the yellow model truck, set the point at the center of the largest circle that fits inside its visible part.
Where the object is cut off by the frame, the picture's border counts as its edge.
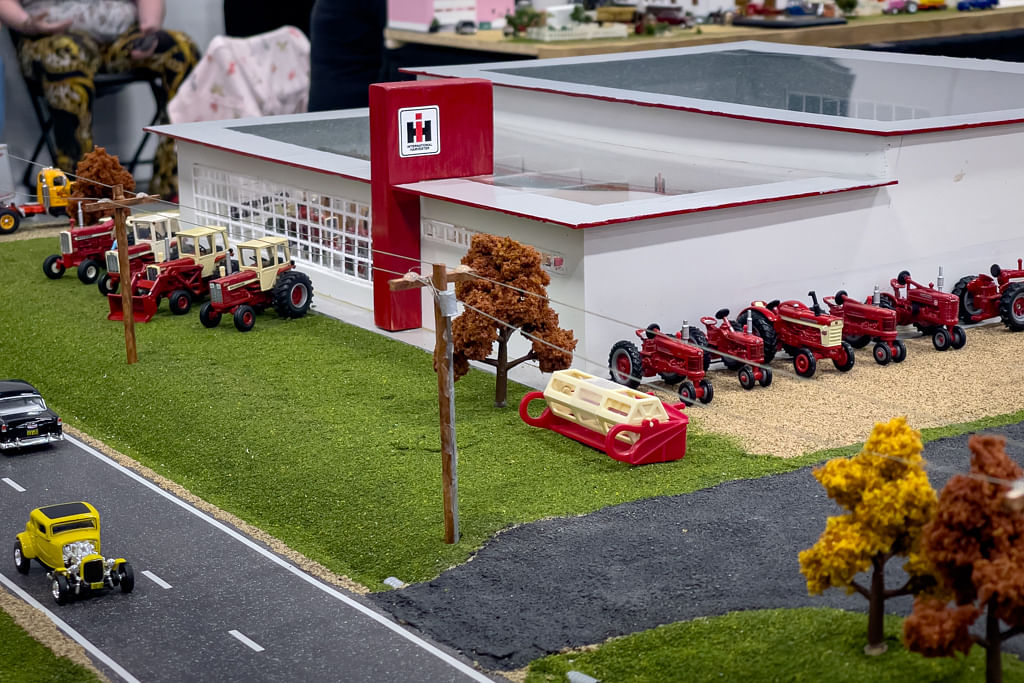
(52, 191)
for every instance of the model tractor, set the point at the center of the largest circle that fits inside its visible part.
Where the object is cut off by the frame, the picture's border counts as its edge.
(929, 309)
(52, 191)
(863, 323)
(267, 277)
(84, 248)
(1001, 295)
(151, 240)
(806, 334)
(737, 348)
(201, 253)
(676, 359)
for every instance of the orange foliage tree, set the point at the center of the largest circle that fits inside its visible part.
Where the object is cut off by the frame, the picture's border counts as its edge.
(97, 173)
(976, 544)
(888, 500)
(493, 311)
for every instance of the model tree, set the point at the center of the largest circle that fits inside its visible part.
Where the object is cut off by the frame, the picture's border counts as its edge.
(888, 500)
(976, 544)
(97, 173)
(509, 294)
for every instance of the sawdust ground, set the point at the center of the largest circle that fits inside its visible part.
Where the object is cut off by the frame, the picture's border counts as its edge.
(931, 388)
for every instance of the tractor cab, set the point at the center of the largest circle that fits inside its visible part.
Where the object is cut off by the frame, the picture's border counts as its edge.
(264, 256)
(158, 230)
(53, 189)
(206, 246)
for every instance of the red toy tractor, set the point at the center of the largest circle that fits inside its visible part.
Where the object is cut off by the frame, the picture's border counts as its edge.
(151, 240)
(863, 323)
(675, 359)
(738, 350)
(983, 297)
(806, 334)
(81, 248)
(929, 309)
(267, 278)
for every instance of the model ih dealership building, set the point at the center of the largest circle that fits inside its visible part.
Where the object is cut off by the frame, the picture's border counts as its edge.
(659, 186)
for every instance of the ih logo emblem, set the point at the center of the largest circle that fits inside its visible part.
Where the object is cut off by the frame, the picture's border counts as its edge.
(419, 131)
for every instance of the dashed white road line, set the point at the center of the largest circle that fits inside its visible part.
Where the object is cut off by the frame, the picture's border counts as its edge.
(155, 579)
(246, 641)
(13, 484)
(75, 635)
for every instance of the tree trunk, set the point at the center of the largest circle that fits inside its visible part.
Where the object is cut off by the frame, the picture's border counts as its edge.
(876, 609)
(501, 384)
(993, 646)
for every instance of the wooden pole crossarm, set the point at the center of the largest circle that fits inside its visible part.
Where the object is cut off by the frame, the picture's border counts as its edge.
(413, 280)
(118, 203)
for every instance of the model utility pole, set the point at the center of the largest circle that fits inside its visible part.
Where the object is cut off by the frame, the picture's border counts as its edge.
(445, 306)
(121, 212)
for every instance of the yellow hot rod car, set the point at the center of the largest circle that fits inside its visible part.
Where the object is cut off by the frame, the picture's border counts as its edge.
(65, 538)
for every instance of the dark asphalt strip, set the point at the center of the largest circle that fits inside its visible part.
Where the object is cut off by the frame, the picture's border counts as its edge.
(563, 583)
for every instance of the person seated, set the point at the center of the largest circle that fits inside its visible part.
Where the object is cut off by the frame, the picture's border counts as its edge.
(65, 43)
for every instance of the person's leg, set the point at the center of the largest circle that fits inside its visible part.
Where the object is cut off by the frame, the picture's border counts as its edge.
(174, 57)
(346, 52)
(65, 65)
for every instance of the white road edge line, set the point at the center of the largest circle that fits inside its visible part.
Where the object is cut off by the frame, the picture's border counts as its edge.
(13, 484)
(75, 635)
(155, 579)
(440, 654)
(246, 641)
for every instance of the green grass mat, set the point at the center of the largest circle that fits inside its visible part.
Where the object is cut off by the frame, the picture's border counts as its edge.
(25, 660)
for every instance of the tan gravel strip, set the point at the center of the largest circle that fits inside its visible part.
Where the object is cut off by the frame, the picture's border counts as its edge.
(795, 415)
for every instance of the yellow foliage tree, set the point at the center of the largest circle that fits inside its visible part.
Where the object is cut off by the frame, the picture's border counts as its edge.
(888, 499)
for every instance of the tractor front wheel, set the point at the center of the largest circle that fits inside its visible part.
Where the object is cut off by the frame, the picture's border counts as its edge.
(746, 377)
(245, 318)
(804, 362)
(180, 301)
(899, 351)
(1011, 307)
(625, 364)
(53, 266)
(207, 316)
(882, 353)
(957, 337)
(766, 377)
(844, 361)
(88, 271)
(106, 284)
(940, 339)
(9, 221)
(707, 392)
(687, 392)
(293, 294)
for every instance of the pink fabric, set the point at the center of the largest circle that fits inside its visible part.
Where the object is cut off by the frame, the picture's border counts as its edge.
(259, 76)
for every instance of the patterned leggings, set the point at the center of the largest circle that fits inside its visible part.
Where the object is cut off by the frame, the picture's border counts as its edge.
(66, 64)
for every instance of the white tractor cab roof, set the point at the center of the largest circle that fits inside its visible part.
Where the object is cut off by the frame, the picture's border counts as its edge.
(150, 227)
(263, 252)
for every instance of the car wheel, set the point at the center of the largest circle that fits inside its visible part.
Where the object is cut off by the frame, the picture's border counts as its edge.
(88, 271)
(245, 318)
(53, 266)
(21, 563)
(126, 578)
(60, 589)
(207, 316)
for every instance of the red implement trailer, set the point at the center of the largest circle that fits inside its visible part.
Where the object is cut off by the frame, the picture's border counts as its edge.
(81, 248)
(1001, 295)
(675, 359)
(863, 323)
(737, 349)
(929, 309)
(806, 334)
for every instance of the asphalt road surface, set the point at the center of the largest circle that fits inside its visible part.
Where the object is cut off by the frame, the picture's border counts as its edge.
(209, 602)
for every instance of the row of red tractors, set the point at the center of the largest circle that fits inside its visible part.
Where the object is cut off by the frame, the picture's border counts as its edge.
(809, 334)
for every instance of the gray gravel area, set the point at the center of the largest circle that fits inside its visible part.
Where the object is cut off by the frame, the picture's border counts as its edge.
(564, 583)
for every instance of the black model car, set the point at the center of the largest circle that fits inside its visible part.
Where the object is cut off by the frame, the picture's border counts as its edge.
(24, 418)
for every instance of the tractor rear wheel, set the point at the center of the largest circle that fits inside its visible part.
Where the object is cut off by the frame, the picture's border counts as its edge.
(700, 340)
(940, 339)
(766, 377)
(899, 351)
(804, 362)
(106, 285)
(245, 318)
(858, 341)
(967, 308)
(957, 337)
(625, 364)
(746, 377)
(293, 294)
(844, 363)
(180, 301)
(53, 266)
(764, 329)
(9, 221)
(88, 271)
(207, 316)
(882, 353)
(687, 392)
(1011, 307)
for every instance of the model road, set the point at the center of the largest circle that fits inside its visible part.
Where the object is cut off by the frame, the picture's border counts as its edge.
(209, 603)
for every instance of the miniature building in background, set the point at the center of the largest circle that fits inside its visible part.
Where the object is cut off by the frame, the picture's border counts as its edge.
(418, 15)
(662, 185)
